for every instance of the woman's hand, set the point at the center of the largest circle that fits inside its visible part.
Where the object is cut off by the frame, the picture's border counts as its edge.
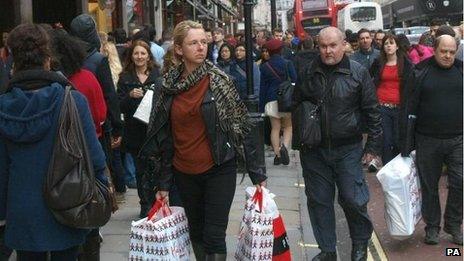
(260, 186)
(163, 196)
(136, 93)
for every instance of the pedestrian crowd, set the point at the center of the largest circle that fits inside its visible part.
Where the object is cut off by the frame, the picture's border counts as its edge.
(358, 98)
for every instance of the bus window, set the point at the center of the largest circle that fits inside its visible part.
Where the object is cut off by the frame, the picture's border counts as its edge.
(363, 14)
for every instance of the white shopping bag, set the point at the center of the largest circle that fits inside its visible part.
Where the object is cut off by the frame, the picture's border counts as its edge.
(163, 235)
(143, 111)
(401, 187)
(256, 236)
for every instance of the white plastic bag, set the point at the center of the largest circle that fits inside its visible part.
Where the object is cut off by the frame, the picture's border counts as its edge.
(143, 111)
(401, 187)
(161, 237)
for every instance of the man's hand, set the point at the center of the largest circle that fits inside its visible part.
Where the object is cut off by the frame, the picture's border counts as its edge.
(115, 142)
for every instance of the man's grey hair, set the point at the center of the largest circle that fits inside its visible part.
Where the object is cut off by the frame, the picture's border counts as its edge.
(332, 30)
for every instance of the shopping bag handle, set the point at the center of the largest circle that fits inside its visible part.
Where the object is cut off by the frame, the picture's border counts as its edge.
(157, 206)
(258, 198)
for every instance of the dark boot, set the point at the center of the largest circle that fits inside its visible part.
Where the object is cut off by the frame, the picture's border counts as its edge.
(91, 249)
(199, 251)
(325, 256)
(432, 235)
(359, 252)
(216, 257)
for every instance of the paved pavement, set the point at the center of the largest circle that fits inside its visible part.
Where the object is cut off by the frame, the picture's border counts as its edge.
(286, 182)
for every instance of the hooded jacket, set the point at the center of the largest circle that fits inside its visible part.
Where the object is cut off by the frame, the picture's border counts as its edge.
(83, 27)
(29, 114)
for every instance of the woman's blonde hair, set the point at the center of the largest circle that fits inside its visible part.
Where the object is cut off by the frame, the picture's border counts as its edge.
(181, 30)
(169, 60)
(109, 50)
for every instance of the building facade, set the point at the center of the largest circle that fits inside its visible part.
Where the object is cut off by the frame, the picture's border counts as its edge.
(127, 14)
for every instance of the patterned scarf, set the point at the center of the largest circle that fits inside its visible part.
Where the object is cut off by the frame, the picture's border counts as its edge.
(232, 112)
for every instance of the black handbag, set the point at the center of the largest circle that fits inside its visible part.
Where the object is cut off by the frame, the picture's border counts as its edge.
(284, 91)
(306, 122)
(72, 193)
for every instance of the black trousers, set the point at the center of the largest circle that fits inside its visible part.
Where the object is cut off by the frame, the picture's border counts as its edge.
(431, 154)
(207, 199)
(69, 254)
(325, 169)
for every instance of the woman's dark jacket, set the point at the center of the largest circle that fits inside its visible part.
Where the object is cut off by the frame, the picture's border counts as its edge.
(376, 73)
(134, 129)
(29, 114)
(270, 82)
(238, 72)
(160, 141)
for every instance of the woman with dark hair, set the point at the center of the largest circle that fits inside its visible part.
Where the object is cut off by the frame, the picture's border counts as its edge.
(195, 129)
(139, 75)
(70, 55)
(226, 57)
(238, 72)
(28, 122)
(390, 73)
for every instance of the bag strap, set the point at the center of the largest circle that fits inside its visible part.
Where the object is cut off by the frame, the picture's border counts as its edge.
(273, 71)
(157, 206)
(240, 71)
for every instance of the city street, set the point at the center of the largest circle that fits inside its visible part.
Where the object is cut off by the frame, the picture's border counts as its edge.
(286, 182)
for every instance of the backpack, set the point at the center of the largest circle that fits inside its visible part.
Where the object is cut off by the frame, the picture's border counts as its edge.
(284, 91)
(71, 191)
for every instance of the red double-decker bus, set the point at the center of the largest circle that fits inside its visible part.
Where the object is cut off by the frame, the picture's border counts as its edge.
(310, 16)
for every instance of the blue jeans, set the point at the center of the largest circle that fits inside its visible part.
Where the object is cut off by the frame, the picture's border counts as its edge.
(390, 130)
(323, 169)
(129, 168)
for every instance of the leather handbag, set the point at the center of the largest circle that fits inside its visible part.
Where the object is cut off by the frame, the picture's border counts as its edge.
(72, 193)
(306, 124)
(284, 91)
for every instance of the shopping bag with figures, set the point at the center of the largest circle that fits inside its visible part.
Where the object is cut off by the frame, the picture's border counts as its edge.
(162, 236)
(262, 232)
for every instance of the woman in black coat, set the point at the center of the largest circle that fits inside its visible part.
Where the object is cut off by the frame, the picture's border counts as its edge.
(139, 75)
(390, 73)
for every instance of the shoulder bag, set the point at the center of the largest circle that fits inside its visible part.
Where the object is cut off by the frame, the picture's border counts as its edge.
(284, 91)
(72, 193)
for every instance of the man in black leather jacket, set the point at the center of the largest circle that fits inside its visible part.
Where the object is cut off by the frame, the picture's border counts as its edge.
(337, 161)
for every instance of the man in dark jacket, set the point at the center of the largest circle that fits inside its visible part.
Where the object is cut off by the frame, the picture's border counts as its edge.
(337, 160)
(436, 105)
(83, 27)
(366, 53)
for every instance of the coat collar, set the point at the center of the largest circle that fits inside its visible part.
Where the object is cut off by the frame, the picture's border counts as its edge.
(343, 66)
(35, 79)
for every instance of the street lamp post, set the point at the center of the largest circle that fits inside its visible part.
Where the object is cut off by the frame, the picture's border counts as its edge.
(252, 100)
(273, 15)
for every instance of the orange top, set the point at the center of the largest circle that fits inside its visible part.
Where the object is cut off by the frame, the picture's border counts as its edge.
(192, 152)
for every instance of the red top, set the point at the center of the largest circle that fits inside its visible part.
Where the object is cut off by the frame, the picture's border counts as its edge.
(389, 88)
(86, 83)
(192, 152)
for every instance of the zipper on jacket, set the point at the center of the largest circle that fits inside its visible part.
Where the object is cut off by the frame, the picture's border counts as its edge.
(326, 114)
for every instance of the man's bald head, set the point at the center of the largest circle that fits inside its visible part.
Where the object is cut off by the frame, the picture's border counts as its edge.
(332, 31)
(331, 45)
(445, 50)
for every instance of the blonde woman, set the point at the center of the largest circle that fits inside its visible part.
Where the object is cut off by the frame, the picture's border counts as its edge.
(194, 130)
(108, 49)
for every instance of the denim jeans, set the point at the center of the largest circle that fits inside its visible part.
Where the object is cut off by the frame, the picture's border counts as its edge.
(129, 168)
(117, 171)
(69, 254)
(390, 130)
(323, 170)
(207, 199)
(431, 154)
